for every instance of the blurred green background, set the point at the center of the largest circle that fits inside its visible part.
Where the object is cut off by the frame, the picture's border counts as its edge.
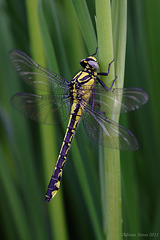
(28, 150)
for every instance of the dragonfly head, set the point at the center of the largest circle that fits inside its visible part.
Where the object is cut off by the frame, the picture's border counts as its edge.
(91, 63)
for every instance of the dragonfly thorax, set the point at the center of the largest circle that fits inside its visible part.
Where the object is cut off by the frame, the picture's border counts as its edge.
(90, 63)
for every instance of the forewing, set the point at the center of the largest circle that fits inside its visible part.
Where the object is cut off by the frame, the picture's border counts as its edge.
(35, 75)
(106, 132)
(117, 100)
(42, 108)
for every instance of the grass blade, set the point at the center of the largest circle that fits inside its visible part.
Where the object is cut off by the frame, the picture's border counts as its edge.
(48, 142)
(88, 31)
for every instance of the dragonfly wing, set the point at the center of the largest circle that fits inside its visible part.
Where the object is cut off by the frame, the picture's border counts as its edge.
(41, 108)
(118, 99)
(107, 132)
(35, 75)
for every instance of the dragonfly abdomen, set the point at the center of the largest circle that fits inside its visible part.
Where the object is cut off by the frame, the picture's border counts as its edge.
(57, 175)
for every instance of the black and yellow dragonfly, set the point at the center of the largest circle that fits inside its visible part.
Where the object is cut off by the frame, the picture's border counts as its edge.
(83, 98)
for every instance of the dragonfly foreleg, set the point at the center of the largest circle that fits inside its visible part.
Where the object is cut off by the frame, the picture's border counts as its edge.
(104, 85)
(106, 74)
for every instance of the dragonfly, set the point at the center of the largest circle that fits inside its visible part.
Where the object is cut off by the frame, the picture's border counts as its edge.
(85, 98)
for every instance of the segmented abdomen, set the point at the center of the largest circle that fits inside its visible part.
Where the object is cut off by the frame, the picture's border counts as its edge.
(54, 184)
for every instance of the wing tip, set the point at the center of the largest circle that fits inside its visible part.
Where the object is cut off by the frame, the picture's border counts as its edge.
(131, 143)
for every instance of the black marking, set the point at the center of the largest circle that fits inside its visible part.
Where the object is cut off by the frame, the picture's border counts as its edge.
(68, 137)
(87, 77)
(57, 174)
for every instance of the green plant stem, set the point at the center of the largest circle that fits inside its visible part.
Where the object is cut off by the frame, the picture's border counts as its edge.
(110, 159)
(105, 49)
(49, 153)
(119, 23)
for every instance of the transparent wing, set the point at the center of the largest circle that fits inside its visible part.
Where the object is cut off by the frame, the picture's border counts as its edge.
(46, 109)
(106, 132)
(35, 75)
(118, 99)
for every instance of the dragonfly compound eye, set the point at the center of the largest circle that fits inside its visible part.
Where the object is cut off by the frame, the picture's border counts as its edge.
(93, 64)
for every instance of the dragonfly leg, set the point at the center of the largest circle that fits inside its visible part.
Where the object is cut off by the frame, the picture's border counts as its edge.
(102, 113)
(106, 74)
(112, 83)
(95, 52)
(104, 85)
